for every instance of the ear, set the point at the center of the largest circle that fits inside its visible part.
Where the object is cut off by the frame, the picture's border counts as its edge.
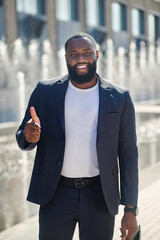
(97, 54)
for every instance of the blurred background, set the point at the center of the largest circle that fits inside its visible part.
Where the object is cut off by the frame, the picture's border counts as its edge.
(32, 36)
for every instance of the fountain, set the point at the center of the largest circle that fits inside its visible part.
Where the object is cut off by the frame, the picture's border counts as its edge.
(21, 70)
(135, 70)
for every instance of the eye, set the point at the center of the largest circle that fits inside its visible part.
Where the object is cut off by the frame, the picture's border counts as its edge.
(87, 53)
(73, 55)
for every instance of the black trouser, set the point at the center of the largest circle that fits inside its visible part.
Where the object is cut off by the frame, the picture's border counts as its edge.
(57, 219)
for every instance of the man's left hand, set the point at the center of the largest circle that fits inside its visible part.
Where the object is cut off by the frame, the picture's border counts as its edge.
(128, 225)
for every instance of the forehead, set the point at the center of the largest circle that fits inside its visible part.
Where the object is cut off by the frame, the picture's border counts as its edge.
(80, 44)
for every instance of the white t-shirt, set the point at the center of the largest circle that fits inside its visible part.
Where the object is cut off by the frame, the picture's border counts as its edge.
(81, 118)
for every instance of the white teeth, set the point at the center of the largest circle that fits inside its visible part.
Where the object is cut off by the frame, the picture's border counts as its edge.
(81, 66)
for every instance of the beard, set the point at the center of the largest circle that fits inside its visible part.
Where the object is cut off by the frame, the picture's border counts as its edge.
(82, 78)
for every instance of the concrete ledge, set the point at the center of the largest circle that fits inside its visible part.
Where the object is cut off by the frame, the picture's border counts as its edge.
(147, 109)
(27, 230)
(8, 125)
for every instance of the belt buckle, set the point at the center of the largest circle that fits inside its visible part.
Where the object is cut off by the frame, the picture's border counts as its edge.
(79, 183)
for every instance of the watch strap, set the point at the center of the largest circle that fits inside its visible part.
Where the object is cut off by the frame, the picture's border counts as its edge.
(132, 210)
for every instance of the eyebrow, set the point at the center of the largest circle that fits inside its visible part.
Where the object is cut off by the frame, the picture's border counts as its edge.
(72, 51)
(87, 49)
(83, 50)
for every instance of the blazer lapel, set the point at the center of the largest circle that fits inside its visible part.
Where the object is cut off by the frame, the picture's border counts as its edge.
(61, 92)
(105, 99)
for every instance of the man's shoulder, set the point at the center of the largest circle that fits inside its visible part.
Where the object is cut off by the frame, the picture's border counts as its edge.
(112, 86)
(53, 81)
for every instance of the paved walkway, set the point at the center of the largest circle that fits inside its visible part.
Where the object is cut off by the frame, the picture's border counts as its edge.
(149, 214)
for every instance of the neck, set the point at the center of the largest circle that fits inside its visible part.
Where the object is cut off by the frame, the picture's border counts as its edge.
(90, 84)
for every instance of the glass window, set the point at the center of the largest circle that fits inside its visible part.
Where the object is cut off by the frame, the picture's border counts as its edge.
(1, 3)
(95, 10)
(91, 13)
(153, 27)
(157, 28)
(30, 22)
(74, 10)
(119, 17)
(101, 12)
(67, 10)
(63, 10)
(123, 17)
(2, 33)
(141, 21)
(31, 6)
(27, 6)
(116, 17)
(137, 22)
(41, 7)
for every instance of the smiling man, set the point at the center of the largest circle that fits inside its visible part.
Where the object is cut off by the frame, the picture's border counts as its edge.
(81, 57)
(84, 130)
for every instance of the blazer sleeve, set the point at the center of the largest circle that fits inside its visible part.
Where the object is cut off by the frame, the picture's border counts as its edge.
(128, 155)
(22, 143)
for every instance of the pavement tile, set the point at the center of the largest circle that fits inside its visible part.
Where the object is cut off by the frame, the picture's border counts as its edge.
(149, 213)
(148, 218)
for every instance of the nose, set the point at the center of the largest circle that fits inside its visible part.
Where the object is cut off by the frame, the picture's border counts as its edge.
(81, 57)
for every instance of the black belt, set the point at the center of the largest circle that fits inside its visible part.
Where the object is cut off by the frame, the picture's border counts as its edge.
(78, 182)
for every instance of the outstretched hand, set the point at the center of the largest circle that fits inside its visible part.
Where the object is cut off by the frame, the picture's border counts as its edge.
(33, 127)
(128, 226)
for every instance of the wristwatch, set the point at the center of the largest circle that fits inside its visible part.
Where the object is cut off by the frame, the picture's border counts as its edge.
(132, 210)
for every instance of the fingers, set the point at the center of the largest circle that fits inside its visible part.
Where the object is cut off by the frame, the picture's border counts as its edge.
(128, 226)
(124, 233)
(130, 233)
(32, 132)
(34, 116)
(33, 128)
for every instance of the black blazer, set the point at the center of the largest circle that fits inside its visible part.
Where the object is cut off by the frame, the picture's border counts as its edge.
(116, 142)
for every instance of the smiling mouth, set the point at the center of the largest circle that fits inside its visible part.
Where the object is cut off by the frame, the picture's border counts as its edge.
(82, 68)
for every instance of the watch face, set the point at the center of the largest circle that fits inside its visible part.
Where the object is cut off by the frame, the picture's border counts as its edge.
(136, 211)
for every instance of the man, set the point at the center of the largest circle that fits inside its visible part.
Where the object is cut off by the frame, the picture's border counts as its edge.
(84, 130)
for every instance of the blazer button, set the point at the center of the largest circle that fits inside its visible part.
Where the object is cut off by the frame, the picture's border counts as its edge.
(59, 163)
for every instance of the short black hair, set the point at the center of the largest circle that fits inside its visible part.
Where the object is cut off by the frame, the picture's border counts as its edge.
(80, 35)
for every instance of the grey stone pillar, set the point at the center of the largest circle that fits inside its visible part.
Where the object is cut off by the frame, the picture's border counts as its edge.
(129, 21)
(82, 15)
(51, 23)
(109, 18)
(11, 24)
(52, 27)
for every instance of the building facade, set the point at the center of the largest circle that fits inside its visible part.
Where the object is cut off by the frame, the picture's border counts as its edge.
(120, 20)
